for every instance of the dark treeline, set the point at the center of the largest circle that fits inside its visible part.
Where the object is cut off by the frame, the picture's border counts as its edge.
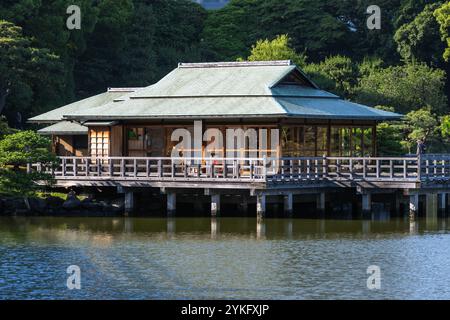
(401, 67)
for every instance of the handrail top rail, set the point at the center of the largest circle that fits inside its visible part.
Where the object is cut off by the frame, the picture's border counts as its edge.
(159, 158)
(251, 158)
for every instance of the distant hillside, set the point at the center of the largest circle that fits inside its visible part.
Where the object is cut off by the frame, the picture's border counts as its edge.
(212, 4)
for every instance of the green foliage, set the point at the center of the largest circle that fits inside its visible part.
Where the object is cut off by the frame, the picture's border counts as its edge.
(389, 137)
(420, 124)
(4, 128)
(405, 88)
(20, 183)
(420, 39)
(150, 38)
(230, 32)
(24, 69)
(24, 147)
(445, 126)
(276, 49)
(442, 15)
(337, 74)
(16, 151)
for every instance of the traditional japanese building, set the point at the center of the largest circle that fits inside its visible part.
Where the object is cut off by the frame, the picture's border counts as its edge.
(254, 130)
(273, 94)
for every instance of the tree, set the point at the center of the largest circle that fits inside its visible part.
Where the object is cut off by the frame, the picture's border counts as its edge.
(405, 88)
(44, 24)
(421, 124)
(16, 151)
(420, 39)
(276, 49)
(24, 68)
(230, 32)
(442, 15)
(337, 70)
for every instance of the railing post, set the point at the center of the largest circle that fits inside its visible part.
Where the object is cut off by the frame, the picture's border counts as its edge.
(225, 169)
(111, 167)
(160, 168)
(99, 167)
(419, 168)
(173, 168)
(308, 169)
(405, 169)
(251, 169)
(28, 168)
(338, 167)
(325, 167)
(378, 165)
(264, 171)
(350, 168)
(75, 167)
(64, 167)
(364, 168)
(122, 167)
(391, 169)
(87, 166)
(316, 169)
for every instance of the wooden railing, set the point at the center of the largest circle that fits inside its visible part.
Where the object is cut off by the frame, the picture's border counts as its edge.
(276, 170)
(137, 168)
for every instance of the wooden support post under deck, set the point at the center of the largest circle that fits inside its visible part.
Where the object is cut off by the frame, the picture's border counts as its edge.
(129, 201)
(288, 204)
(366, 203)
(320, 203)
(431, 204)
(413, 205)
(260, 205)
(442, 203)
(171, 203)
(215, 204)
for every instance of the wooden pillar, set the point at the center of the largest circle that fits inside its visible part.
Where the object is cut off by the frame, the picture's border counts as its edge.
(366, 203)
(442, 203)
(129, 201)
(215, 204)
(431, 204)
(260, 205)
(171, 203)
(413, 205)
(288, 204)
(320, 203)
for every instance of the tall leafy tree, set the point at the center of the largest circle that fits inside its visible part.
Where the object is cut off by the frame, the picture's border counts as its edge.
(25, 70)
(405, 88)
(420, 38)
(442, 15)
(276, 49)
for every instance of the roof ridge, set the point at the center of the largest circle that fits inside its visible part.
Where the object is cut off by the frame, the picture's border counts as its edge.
(124, 89)
(235, 64)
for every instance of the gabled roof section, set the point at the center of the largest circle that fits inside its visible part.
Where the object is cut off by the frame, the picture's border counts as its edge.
(82, 105)
(224, 79)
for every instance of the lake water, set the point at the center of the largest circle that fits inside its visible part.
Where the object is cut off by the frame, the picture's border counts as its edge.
(200, 258)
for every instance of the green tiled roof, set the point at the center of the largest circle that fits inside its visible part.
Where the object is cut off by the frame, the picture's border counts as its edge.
(230, 90)
(82, 105)
(64, 128)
